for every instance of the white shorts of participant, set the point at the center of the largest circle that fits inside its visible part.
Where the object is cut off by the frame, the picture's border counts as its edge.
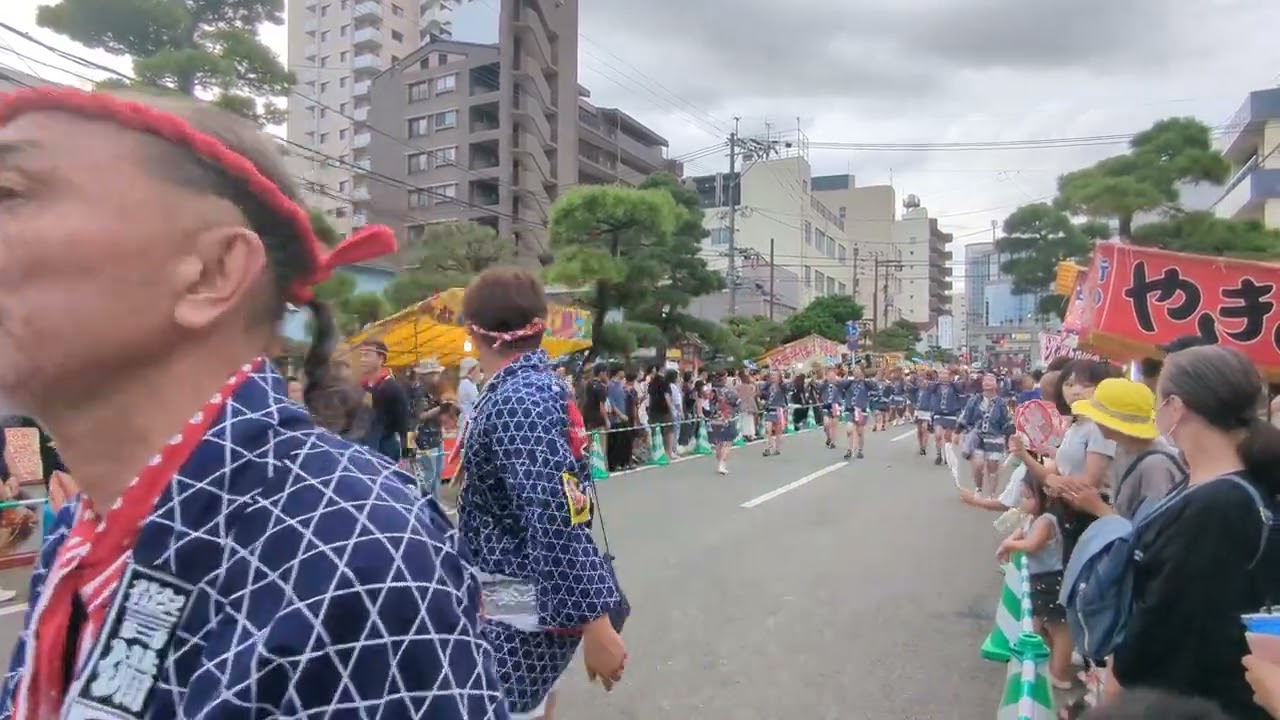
(924, 415)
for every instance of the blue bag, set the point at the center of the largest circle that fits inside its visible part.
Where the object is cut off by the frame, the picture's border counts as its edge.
(1097, 586)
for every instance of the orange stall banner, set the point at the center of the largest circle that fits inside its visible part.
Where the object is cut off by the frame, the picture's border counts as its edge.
(1143, 298)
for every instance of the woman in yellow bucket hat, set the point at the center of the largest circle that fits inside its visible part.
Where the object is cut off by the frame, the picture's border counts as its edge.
(1124, 410)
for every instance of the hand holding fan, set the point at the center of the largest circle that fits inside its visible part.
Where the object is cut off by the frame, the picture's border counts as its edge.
(1041, 423)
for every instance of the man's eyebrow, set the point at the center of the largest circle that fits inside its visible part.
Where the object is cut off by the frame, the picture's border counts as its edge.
(11, 149)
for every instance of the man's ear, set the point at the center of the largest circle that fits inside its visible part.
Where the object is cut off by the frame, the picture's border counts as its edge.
(225, 267)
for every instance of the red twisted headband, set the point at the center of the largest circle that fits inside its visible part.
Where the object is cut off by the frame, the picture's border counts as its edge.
(366, 243)
(536, 327)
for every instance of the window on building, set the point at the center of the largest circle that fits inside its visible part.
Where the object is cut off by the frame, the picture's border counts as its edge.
(418, 163)
(443, 194)
(445, 120)
(442, 59)
(819, 282)
(415, 233)
(342, 31)
(842, 252)
(324, 112)
(719, 236)
(419, 91)
(808, 276)
(344, 185)
(419, 199)
(418, 127)
(342, 133)
(341, 211)
(343, 107)
(831, 285)
(324, 60)
(324, 36)
(843, 288)
(397, 11)
(324, 10)
(344, 56)
(342, 81)
(445, 156)
(808, 233)
(446, 83)
(324, 86)
(324, 137)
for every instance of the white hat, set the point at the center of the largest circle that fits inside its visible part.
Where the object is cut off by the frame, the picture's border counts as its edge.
(467, 365)
(429, 367)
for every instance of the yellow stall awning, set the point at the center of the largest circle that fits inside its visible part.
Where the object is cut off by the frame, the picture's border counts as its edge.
(435, 329)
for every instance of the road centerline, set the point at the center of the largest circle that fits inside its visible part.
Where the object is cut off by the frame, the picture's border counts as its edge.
(792, 486)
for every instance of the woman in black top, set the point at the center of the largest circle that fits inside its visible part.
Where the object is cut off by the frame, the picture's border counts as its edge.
(1194, 578)
(660, 411)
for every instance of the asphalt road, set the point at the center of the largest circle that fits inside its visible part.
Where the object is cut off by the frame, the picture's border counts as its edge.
(863, 590)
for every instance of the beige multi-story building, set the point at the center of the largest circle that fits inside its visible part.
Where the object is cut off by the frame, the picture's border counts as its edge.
(454, 145)
(869, 213)
(778, 215)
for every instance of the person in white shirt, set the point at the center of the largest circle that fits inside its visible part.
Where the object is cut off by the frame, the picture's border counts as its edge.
(468, 387)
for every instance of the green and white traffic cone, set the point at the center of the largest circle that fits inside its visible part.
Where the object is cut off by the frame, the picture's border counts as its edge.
(702, 446)
(998, 647)
(738, 440)
(1027, 693)
(657, 449)
(599, 466)
(809, 422)
(788, 423)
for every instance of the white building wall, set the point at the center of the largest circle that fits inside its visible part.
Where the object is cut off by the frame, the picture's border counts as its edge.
(335, 47)
(909, 292)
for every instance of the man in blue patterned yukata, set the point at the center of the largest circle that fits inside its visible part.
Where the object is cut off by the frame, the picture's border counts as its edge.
(225, 559)
(526, 508)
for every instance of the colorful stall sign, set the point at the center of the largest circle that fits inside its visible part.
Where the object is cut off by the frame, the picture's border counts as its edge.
(1143, 298)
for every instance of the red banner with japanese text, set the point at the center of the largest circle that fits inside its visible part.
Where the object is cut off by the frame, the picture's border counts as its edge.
(1134, 299)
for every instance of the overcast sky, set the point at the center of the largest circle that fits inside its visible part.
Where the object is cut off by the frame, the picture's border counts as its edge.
(893, 71)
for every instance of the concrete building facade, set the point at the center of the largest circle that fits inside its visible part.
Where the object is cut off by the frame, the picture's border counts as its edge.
(998, 321)
(869, 213)
(1251, 142)
(778, 215)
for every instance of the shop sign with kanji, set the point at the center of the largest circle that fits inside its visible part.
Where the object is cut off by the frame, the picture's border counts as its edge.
(1146, 298)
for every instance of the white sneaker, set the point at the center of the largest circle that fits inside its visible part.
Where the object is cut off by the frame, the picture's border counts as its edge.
(722, 469)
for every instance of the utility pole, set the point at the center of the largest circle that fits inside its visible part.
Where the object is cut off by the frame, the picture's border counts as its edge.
(733, 219)
(854, 285)
(875, 294)
(773, 298)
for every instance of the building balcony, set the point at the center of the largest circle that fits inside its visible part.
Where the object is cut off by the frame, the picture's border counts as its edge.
(361, 114)
(361, 89)
(367, 38)
(367, 63)
(1248, 192)
(359, 220)
(528, 26)
(1244, 130)
(310, 25)
(310, 50)
(360, 194)
(364, 163)
(361, 140)
(366, 11)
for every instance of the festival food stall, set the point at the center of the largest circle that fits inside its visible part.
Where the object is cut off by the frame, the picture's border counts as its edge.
(1133, 299)
(435, 328)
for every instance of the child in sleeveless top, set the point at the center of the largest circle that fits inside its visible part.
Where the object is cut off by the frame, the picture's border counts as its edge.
(1041, 540)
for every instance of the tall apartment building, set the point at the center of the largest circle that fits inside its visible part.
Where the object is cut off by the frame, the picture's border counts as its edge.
(335, 48)
(454, 146)
(1251, 144)
(998, 320)
(778, 213)
(901, 262)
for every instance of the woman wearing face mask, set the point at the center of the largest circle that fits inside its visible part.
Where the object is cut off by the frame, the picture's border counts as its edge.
(1195, 578)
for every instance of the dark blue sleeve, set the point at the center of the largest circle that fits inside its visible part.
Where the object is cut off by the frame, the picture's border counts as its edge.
(575, 585)
(968, 417)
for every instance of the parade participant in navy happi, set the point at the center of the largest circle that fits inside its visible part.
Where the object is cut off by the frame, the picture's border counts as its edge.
(832, 402)
(989, 416)
(858, 397)
(922, 399)
(947, 404)
(526, 506)
(225, 559)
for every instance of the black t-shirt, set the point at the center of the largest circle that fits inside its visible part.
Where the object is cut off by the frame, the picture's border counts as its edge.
(389, 426)
(593, 399)
(1190, 588)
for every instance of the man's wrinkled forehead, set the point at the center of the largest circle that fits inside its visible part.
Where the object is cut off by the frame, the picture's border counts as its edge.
(69, 144)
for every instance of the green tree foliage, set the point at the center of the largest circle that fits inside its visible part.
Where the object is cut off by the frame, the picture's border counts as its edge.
(448, 255)
(1172, 151)
(940, 355)
(208, 48)
(1204, 233)
(324, 229)
(636, 249)
(900, 336)
(1039, 236)
(757, 333)
(825, 316)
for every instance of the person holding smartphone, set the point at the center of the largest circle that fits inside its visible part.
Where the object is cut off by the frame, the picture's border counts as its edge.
(430, 438)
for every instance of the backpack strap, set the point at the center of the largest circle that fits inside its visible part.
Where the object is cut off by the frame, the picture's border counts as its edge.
(1264, 513)
(1133, 466)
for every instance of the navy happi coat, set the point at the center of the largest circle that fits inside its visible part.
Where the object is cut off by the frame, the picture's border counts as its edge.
(306, 579)
(525, 512)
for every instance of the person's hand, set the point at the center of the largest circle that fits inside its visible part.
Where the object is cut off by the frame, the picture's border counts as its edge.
(1085, 497)
(603, 652)
(1264, 678)
(1017, 445)
(1054, 485)
(1003, 552)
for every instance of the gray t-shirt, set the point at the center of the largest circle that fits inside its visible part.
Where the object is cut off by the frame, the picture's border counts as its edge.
(1153, 477)
(1082, 438)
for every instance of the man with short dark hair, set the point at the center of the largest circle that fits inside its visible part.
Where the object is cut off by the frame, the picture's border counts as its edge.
(389, 426)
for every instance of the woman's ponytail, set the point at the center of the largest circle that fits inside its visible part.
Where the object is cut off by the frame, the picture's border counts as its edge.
(1260, 453)
(317, 363)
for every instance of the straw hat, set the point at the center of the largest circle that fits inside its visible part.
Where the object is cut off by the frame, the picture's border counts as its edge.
(1125, 406)
(429, 366)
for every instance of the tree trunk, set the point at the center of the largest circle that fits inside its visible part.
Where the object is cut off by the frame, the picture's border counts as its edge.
(599, 307)
(1125, 223)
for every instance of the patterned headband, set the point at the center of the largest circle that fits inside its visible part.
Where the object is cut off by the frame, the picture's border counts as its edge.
(366, 243)
(536, 327)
